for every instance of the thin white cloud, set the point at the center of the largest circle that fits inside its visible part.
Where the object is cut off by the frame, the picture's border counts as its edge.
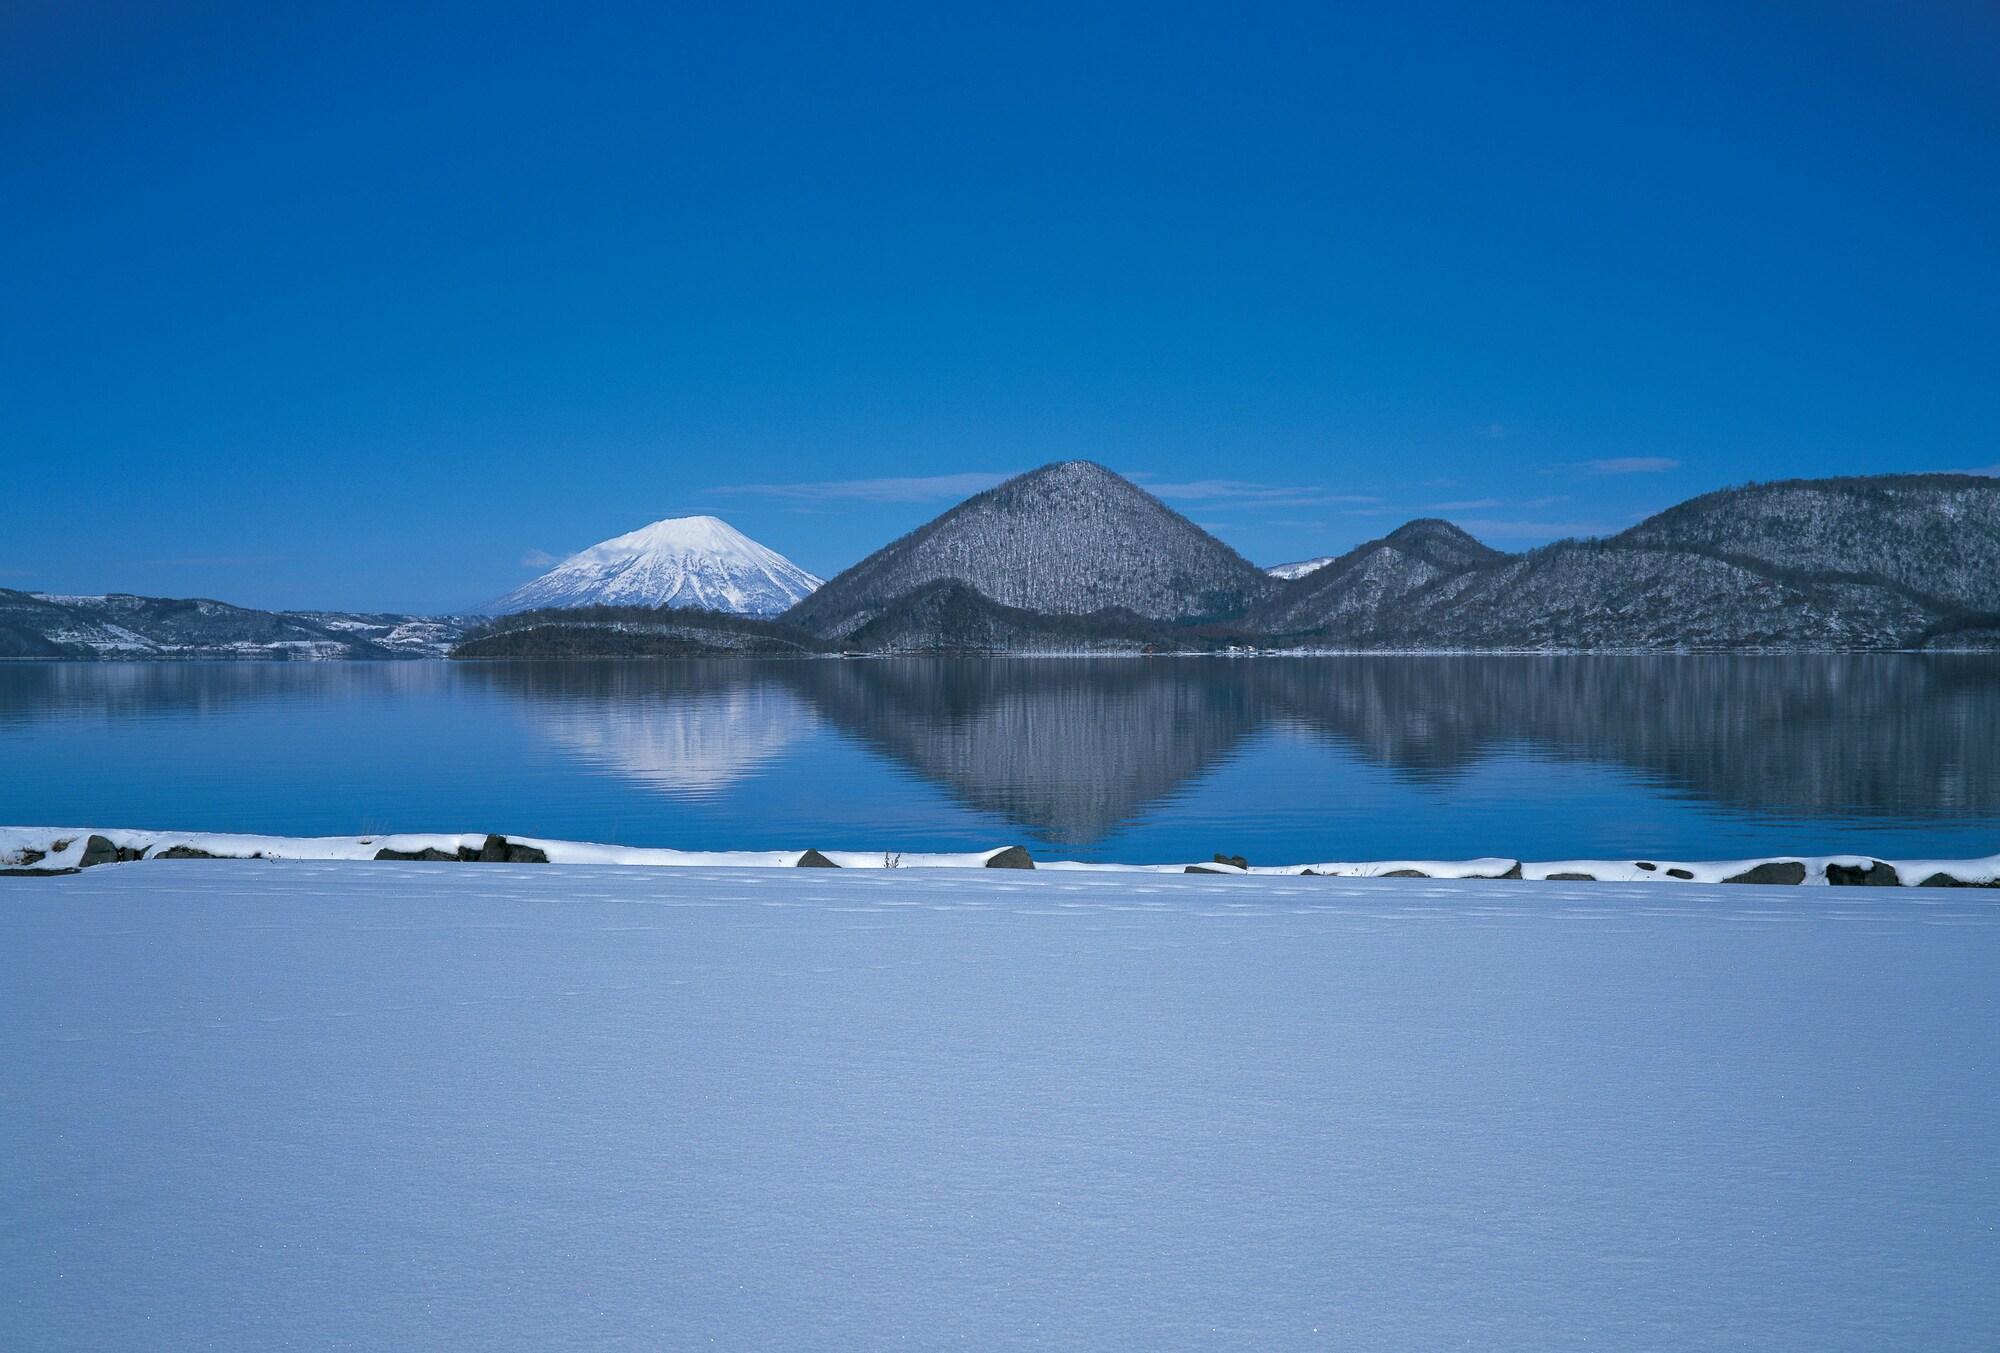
(1467, 505)
(532, 558)
(1632, 465)
(1248, 493)
(1212, 490)
(909, 489)
(1512, 529)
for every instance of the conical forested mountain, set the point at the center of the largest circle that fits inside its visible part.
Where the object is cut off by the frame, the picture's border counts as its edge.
(1359, 591)
(1067, 539)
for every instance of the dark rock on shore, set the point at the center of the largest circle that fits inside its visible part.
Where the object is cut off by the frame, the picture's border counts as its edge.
(1772, 871)
(1013, 857)
(812, 859)
(493, 850)
(99, 850)
(1875, 874)
(499, 850)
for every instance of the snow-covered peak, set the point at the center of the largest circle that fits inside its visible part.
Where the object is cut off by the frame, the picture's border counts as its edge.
(679, 561)
(676, 535)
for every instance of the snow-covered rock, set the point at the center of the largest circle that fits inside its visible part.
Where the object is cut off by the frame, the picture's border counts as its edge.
(680, 561)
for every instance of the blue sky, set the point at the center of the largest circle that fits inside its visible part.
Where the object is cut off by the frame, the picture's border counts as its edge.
(346, 306)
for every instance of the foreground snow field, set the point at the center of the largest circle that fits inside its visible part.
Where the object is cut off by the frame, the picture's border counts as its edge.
(254, 1105)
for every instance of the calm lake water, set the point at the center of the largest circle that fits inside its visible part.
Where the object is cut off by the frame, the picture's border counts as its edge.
(1280, 760)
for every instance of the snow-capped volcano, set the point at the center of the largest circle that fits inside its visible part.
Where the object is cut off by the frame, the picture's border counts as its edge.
(682, 561)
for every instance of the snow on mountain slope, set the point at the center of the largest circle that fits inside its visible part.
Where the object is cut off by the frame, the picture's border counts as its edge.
(681, 561)
(1295, 571)
(119, 625)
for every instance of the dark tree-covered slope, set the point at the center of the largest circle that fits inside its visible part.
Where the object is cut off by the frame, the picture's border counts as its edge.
(1067, 539)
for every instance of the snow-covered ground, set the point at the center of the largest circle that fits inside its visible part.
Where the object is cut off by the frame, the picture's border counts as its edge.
(259, 1104)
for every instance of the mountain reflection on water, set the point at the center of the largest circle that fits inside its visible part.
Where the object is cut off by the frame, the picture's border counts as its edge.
(1073, 748)
(1111, 758)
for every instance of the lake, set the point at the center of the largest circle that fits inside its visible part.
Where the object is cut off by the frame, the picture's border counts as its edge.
(1282, 760)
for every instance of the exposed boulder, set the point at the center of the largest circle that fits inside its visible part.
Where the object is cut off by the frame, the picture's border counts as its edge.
(1874, 874)
(1772, 871)
(1013, 857)
(812, 859)
(98, 850)
(493, 850)
(427, 853)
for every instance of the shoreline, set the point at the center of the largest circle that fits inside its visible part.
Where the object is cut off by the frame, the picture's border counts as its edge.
(32, 851)
(986, 655)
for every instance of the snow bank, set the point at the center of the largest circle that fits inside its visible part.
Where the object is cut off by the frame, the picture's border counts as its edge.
(56, 849)
(327, 1105)
(63, 849)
